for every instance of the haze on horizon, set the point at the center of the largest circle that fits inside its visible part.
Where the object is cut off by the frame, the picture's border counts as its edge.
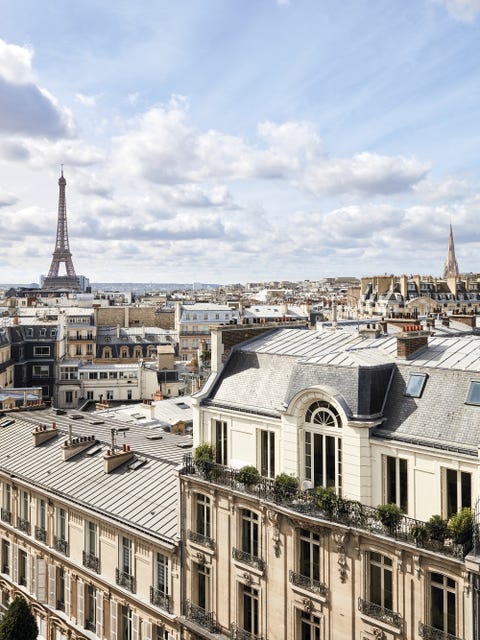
(233, 141)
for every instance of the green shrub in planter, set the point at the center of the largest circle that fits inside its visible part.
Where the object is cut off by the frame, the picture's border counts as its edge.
(460, 526)
(205, 452)
(248, 475)
(390, 516)
(326, 499)
(420, 533)
(285, 485)
(437, 528)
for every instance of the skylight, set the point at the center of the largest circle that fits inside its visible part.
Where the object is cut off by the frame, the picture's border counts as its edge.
(473, 396)
(415, 385)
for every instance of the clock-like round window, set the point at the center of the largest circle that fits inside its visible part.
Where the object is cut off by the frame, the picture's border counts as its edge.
(323, 414)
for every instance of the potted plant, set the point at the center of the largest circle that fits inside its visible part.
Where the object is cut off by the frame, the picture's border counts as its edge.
(248, 475)
(419, 533)
(285, 486)
(460, 526)
(437, 529)
(390, 516)
(326, 500)
(203, 457)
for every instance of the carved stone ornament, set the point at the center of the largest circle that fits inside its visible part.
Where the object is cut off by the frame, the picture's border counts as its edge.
(273, 519)
(247, 579)
(308, 605)
(201, 558)
(340, 540)
(379, 634)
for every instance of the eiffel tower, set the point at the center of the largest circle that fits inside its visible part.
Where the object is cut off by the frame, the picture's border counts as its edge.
(61, 252)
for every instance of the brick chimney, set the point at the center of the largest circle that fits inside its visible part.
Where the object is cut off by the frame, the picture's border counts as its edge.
(113, 459)
(411, 341)
(42, 433)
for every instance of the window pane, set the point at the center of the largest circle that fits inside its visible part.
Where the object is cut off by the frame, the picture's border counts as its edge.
(437, 607)
(403, 485)
(473, 396)
(466, 490)
(375, 585)
(415, 385)
(452, 500)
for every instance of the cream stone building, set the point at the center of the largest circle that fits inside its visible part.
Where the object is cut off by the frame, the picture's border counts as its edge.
(381, 419)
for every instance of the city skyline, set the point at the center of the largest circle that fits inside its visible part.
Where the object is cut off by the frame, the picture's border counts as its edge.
(232, 141)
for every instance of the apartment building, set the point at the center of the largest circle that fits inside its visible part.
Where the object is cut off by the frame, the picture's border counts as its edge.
(379, 419)
(89, 526)
(7, 366)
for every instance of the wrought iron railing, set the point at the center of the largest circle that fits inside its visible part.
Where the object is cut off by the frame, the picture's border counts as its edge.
(347, 512)
(41, 534)
(206, 541)
(6, 515)
(427, 632)
(200, 616)
(305, 582)
(24, 525)
(160, 599)
(237, 633)
(90, 625)
(248, 558)
(91, 561)
(60, 544)
(5, 568)
(124, 579)
(60, 605)
(380, 613)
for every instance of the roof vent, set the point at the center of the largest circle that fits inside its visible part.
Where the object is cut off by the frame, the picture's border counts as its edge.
(73, 446)
(42, 433)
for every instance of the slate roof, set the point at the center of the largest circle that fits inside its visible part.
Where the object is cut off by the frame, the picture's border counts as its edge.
(144, 499)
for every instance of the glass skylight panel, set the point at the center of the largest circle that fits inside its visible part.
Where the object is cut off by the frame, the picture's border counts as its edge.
(473, 396)
(415, 385)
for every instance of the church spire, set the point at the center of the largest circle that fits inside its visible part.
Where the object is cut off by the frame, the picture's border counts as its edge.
(451, 266)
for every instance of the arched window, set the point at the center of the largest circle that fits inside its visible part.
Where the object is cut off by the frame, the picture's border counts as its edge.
(107, 352)
(124, 352)
(322, 446)
(138, 352)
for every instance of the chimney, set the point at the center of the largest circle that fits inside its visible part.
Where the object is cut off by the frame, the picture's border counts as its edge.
(113, 459)
(118, 331)
(42, 433)
(74, 446)
(411, 341)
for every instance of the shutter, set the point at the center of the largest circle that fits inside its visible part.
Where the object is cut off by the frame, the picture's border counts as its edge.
(113, 620)
(146, 630)
(99, 613)
(67, 594)
(15, 562)
(40, 573)
(80, 599)
(52, 584)
(135, 626)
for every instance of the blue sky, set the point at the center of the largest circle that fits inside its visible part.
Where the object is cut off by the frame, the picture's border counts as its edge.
(240, 140)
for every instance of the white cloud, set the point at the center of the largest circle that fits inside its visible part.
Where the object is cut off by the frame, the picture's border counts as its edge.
(7, 198)
(86, 100)
(15, 63)
(446, 190)
(463, 10)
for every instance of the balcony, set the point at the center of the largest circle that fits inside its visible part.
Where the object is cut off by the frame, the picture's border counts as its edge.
(160, 599)
(23, 525)
(430, 633)
(6, 515)
(91, 561)
(60, 605)
(40, 534)
(380, 613)
(199, 538)
(305, 582)
(197, 614)
(90, 625)
(248, 558)
(237, 633)
(60, 544)
(348, 513)
(124, 579)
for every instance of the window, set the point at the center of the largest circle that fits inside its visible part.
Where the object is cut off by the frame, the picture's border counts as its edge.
(395, 482)
(309, 626)
(109, 395)
(473, 396)
(29, 333)
(379, 580)
(90, 606)
(249, 525)
(41, 513)
(61, 524)
(41, 351)
(60, 588)
(442, 605)
(249, 597)
(91, 538)
(107, 352)
(323, 451)
(161, 573)
(22, 567)
(129, 394)
(126, 623)
(89, 395)
(5, 556)
(137, 352)
(203, 515)
(126, 555)
(24, 505)
(457, 491)
(220, 434)
(415, 385)
(43, 332)
(203, 586)
(78, 350)
(40, 371)
(267, 454)
(309, 560)
(68, 397)
(53, 333)
(7, 502)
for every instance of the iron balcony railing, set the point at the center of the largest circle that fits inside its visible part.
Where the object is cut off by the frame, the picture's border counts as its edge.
(305, 582)
(199, 538)
(41, 534)
(430, 633)
(60, 544)
(60, 605)
(200, 616)
(6, 515)
(248, 558)
(380, 613)
(23, 525)
(90, 625)
(349, 513)
(237, 633)
(124, 579)
(91, 561)
(160, 599)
